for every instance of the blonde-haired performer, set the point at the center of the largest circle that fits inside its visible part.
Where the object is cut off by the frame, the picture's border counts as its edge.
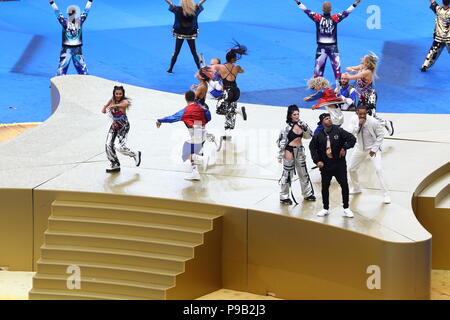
(72, 38)
(185, 27)
(327, 98)
(365, 75)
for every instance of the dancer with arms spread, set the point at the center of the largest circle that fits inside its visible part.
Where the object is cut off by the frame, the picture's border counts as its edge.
(72, 38)
(326, 36)
(185, 27)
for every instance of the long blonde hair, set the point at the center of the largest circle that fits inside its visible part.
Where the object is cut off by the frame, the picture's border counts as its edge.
(188, 7)
(370, 63)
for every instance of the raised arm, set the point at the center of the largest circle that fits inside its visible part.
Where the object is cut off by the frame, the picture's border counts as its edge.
(58, 13)
(201, 2)
(170, 3)
(433, 6)
(314, 16)
(344, 14)
(85, 12)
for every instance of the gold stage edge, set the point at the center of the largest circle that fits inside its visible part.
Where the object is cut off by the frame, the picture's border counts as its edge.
(146, 233)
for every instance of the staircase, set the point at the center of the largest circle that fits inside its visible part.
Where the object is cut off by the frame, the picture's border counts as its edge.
(128, 252)
(432, 209)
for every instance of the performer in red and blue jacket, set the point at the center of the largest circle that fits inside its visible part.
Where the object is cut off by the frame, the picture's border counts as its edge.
(195, 117)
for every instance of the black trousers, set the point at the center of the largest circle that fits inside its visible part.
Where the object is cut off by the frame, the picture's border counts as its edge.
(339, 171)
(178, 44)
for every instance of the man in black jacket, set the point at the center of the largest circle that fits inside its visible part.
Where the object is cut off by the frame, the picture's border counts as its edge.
(328, 149)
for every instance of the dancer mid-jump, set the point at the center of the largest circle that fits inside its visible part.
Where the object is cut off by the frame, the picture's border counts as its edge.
(326, 35)
(227, 105)
(185, 27)
(72, 38)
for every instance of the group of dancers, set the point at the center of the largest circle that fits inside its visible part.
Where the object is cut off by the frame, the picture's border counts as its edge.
(329, 142)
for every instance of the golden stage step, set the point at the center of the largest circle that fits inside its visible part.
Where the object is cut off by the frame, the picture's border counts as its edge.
(115, 256)
(109, 270)
(128, 252)
(132, 213)
(102, 285)
(136, 228)
(52, 294)
(120, 241)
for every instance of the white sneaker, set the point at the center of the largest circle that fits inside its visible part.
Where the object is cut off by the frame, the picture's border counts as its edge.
(195, 176)
(386, 198)
(355, 191)
(323, 213)
(348, 213)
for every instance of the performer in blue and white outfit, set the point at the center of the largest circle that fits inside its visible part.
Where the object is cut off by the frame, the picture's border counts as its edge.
(72, 38)
(348, 94)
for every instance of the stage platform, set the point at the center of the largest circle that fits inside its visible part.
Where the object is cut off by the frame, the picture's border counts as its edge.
(266, 247)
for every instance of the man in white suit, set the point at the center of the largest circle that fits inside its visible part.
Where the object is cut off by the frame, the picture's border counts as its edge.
(369, 136)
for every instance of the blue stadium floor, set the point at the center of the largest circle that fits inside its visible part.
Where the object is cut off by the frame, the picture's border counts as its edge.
(131, 42)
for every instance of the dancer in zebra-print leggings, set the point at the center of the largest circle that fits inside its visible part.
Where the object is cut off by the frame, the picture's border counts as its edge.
(117, 107)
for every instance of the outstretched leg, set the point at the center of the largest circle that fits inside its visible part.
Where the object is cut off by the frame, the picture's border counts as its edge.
(191, 43)
(433, 55)
(178, 44)
(122, 136)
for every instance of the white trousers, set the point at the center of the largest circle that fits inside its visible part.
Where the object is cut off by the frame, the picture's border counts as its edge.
(357, 159)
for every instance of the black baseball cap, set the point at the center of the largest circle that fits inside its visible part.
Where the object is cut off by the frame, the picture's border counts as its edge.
(321, 117)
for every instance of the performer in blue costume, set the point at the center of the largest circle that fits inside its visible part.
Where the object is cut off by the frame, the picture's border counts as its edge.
(72, 38)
